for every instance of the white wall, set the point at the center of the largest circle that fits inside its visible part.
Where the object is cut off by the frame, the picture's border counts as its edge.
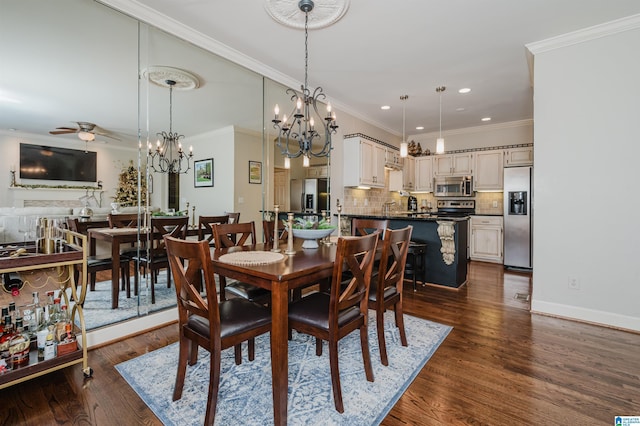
(248, 196)
(110, 160)
(587, 123)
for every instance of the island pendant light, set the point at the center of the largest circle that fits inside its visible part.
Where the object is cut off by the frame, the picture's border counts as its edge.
(440, 140)
(404, 147)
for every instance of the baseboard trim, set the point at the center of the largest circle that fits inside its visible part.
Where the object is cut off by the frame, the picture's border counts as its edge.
(590, 316)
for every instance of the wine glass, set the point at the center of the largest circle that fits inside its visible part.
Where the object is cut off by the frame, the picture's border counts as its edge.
(23, 227)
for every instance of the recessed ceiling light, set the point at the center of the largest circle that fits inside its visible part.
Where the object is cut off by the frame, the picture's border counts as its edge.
(385, 107)
(460, 109)
(464, 90)
(486, 118)
(420, 128)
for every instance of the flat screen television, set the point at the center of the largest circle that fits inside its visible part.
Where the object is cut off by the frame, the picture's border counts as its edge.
(51, 163)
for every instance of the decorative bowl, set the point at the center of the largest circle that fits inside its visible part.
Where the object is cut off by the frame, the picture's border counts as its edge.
(310, 236)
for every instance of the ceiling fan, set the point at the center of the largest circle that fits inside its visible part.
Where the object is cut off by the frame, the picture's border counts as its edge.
(86, 131)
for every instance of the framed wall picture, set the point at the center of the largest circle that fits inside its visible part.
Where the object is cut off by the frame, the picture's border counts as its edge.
(203, 172)
(255, 172)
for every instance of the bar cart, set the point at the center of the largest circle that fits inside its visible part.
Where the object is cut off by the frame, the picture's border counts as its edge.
(53, 271)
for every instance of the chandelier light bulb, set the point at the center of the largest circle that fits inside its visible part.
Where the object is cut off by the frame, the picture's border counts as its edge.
(305, 161)
(276, 110)
(287, 162)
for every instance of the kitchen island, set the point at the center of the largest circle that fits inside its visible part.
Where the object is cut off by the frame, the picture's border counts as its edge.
(446, 240)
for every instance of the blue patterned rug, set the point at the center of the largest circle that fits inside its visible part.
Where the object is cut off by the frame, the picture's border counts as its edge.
(97, 304)
(245, 390)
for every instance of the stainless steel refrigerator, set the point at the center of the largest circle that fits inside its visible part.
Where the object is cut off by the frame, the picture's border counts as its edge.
(518, 217)
(309, 195)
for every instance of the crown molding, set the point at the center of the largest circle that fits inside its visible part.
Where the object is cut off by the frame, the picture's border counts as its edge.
(586, 34)
(152, 17)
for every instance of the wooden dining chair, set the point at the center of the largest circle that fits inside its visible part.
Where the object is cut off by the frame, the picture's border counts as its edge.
(386, 284)
(155, 258)
(268, 228)
(208, 323)
(361, 226)
(333, 316)
(126, 220)
(205, 231)
(237, 234)
(99, 263)
(234, 217)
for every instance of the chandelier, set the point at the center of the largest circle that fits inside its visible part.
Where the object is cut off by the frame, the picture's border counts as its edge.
(299, 130)
(168, 155)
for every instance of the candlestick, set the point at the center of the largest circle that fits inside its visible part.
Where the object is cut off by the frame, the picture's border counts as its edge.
(276, 239)
(193, 216)
(13, 179)
(290, 251)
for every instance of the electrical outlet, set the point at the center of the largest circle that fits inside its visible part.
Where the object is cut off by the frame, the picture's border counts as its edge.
(574, 283)
(495, 204)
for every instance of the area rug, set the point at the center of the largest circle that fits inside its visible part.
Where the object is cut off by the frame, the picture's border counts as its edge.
(245, 390)
(97, 304)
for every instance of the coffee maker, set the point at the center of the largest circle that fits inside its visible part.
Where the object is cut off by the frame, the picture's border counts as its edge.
(412, 204)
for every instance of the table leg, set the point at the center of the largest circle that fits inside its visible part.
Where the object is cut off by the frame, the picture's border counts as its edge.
(279, 350)
(115, 273)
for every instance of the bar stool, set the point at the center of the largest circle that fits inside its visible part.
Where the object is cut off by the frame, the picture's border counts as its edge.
(416, 262)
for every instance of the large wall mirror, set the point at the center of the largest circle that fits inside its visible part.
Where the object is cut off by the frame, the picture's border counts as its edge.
(84, 66)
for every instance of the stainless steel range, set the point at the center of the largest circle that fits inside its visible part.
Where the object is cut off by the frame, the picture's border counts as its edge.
(456, 208)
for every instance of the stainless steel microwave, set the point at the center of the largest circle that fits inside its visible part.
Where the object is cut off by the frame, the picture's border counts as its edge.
(453, 186)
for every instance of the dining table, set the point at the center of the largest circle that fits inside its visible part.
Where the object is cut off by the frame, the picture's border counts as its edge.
(115, 237)
(300, 269)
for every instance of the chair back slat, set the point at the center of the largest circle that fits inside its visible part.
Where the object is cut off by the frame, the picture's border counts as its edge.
(268, 228)
(395, 247)
(354, 255)
(224, 234)
(205, 231)
(196, 255)
(124, 220)
(361, 226)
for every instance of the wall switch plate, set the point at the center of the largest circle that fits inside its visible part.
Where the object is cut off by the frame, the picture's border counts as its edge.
(574, 283)
(495, 204)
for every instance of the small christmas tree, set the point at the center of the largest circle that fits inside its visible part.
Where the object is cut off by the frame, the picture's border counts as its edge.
(127, 191)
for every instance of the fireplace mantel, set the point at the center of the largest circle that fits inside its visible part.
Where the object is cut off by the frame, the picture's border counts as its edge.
(54, 197)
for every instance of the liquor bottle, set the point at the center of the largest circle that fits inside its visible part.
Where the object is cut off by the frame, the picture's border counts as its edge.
(44, 328)
(4, 313)
(19, 346)
(12, 283)
(5, 355)
(12, 310)
(50, 346)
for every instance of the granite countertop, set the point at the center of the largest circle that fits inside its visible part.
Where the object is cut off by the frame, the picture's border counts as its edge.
(424, 217)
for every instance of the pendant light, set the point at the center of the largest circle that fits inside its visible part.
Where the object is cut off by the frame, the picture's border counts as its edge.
(404, 148)
(440, 140)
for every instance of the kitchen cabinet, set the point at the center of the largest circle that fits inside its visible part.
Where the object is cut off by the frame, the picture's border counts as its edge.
(424, 174)
(363, 163)
(393, 159)
(55, 272)
(486, 238)
(453, 164)
(409, 173)
(522, 156)
(315, 172)
(487, 175)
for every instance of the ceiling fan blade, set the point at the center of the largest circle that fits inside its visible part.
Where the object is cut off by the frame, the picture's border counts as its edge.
(108, 136)
(63, 132)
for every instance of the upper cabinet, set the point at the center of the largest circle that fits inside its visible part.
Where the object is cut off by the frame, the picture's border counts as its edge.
(363, 163)
(409, 174)
(393, 159)
(424, 174)
(488, 170)
(317, 172)
(453, 164)
(522, 156)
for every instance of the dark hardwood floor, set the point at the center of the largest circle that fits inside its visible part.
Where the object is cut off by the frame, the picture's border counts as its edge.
(500, 365)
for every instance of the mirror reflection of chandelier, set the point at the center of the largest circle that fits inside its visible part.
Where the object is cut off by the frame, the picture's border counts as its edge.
(300, 128)
(168, 155)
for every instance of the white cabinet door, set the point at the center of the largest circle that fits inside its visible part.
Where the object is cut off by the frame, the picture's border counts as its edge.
(486, 238)
(424, 174)
(488, 171)
(317, 172)
(518, 156)
(409, 174)
(363, 163)
(453, 164)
